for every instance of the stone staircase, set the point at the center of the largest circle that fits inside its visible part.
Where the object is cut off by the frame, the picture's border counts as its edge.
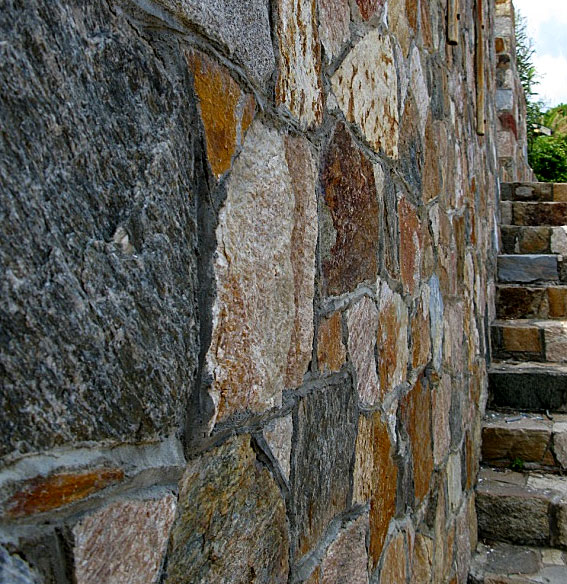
(522, 491)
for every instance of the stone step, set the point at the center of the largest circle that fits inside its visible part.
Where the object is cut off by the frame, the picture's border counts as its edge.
(517, 301)
(522, 508)
(534, 214)
(528, 386)
(529, 340)
(528, 268)
(524, 441)
(503, 563)
(527, 239)
(533, 192)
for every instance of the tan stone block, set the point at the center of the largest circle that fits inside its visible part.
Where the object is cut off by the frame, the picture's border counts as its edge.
(521, 339)
(420, 332)
(526, 442)
(560, 192)
(278, 434)
(534, 240)
(42, 494)
(362, 323)
(556, 342)
(441, 399)
(410, 245)
(557, 298)
(366, 88)
(394, 566)
(331, 352)
(299, 86)
(334, 28)
(123, 542)
(422, 560)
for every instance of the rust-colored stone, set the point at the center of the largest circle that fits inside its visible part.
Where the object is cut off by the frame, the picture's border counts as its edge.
(375, 478)
(420, 333)
(302, 251)
(426, 25)
(43, 494)
(299, 87)
(351, 223)
(331, 352)
(394, 567)
(422, 560)
(521, 339)
(557, 298)
(412, 13)
(416, 415)
(334, 16)
(124, 542)
(369, 7)
(219, 96)
(410, 245)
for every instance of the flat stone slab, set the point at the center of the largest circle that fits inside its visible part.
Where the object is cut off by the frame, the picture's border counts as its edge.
(508, 564)
(528, 386)
(528, 268)
(514, 301)
(537, 213)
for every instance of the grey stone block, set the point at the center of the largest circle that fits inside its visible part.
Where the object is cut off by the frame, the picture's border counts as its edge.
(527, 268)
(97, 301)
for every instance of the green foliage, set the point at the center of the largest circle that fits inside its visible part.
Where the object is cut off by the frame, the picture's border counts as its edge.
(556, 119)
(548, 157)
(517, 464)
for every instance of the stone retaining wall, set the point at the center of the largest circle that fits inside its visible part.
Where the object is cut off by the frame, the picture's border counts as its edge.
(246, 259)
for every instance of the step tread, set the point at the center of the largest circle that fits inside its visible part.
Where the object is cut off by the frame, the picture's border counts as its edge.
(504, 562)
(539, 323)
(533, 367)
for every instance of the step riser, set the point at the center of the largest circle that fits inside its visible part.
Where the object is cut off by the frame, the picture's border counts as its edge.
(526, 302)
(533, 240)
(525, 343)
(533, 192)
(528, 392)
(528, 268)
(533, 214)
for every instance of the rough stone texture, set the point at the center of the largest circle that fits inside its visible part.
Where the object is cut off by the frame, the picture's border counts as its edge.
(299, 86)
(223, 107)
(334, 27)
(410, 245)
(124, 542)
(13, 570)
(257, 347)
(539, 213)
(47, 493)
(350, 222)
(559, 240)
(394, 567)
(393, 351)
(368, 8)
(420, 333)
(375, 478)
(278, 435)
(527, 268)
(346, 559)
(362, 323)
(441, 404)
(231, 525)
(368, 94)
(422, 560)
(331, 351)
(322, 456)
(416, 417)
(98, 317)
(242, 29)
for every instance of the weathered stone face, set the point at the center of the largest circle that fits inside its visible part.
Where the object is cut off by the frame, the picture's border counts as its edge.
(410, 245)
(350, 224)
(394, 568)
(231, 524)
(98, 317)
(366, 88)
(375, 478)
(362, 321)
(14, 570)
(243, 29)
(299, 86)
(225, 110)
(278, 435)
(258, 346)
(139, 530)
(322, 456)
(334, 28)
(331, 352)
(416, 417)
(368, 8)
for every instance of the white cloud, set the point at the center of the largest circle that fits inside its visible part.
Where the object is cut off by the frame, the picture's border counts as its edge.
(541, 11)
(552, 88)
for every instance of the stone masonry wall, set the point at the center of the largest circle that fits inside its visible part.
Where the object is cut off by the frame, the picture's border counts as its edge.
(246, 255)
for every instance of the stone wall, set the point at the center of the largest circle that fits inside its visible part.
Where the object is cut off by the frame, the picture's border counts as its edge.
(510, 100)
(246, 259)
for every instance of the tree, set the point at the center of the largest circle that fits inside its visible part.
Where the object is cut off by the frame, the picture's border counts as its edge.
(548, 158)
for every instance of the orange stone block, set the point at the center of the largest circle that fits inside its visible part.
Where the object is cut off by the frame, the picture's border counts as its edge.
(560, 192)
(521, 339)
(331, 352)
(416, 415)
(43, 494)
(394, 568)
(557, 298)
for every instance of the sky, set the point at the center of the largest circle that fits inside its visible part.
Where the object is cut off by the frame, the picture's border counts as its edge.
(547, 26)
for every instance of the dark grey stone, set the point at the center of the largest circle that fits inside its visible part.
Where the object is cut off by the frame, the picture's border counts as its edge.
(97, 247)
(325, 424)
(242, 27)
(527, 268)
(508, 559)
(531, 389)
(13, 570)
